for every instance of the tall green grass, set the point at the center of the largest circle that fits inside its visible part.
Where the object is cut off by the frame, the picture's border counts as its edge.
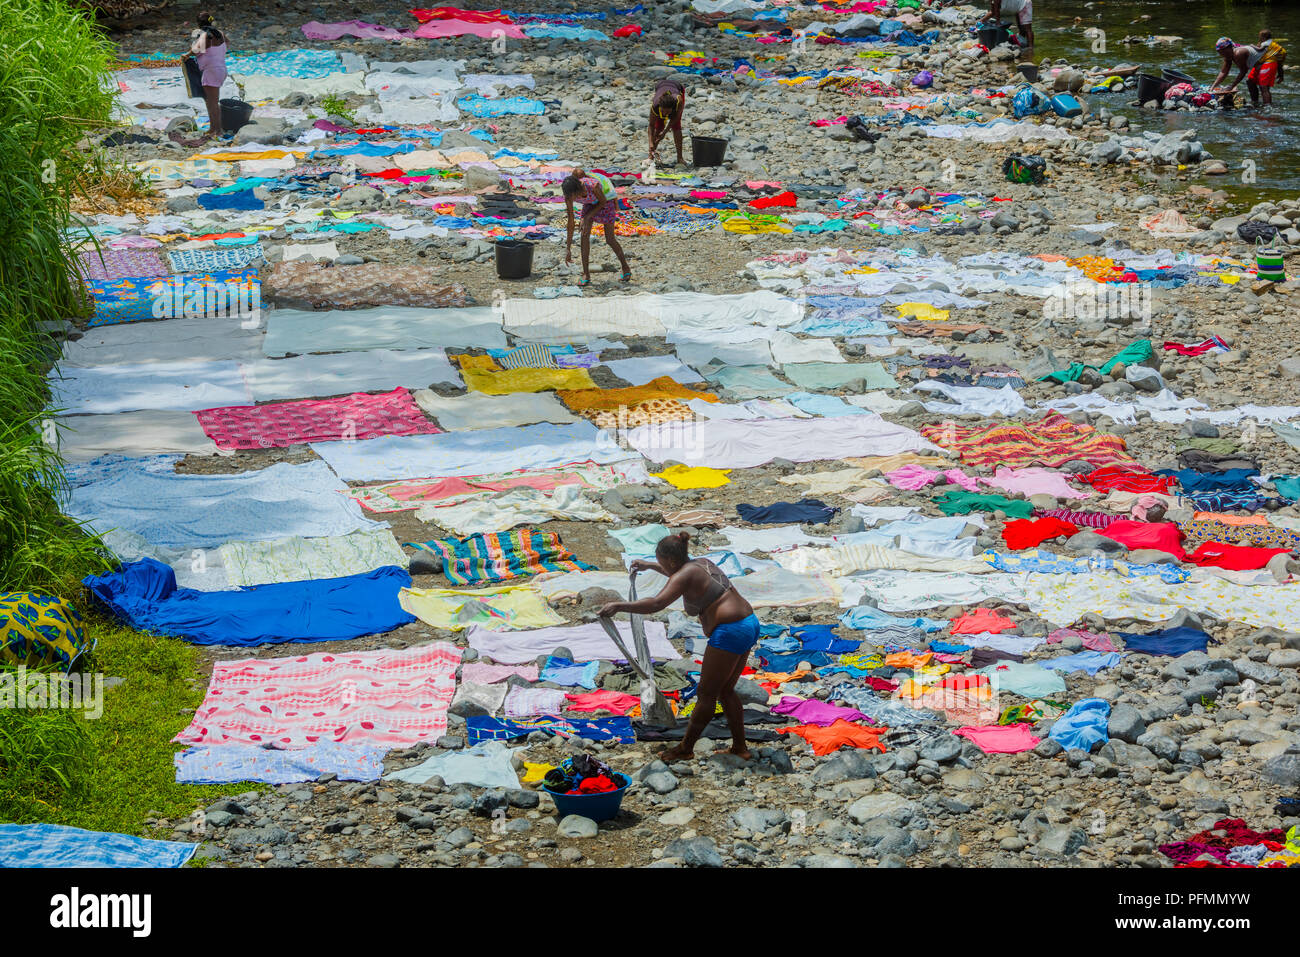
(54, 81)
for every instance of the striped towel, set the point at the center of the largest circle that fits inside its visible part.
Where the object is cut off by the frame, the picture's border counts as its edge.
(499, 556)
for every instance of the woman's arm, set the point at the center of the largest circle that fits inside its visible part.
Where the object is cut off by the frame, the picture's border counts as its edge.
(200, 42)
(638, 565)
(648, 606)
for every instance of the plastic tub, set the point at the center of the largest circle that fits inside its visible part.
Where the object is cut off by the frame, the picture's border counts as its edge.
(514, 258)
(708, 150)
(234, 114)
(597, 807)
(1151, 88)
(993, 36)
(1063, 104)
(1029, 71)
(1177, 76)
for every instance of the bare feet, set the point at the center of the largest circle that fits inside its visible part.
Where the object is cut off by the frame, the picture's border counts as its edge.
(675, 753)
(742, 752)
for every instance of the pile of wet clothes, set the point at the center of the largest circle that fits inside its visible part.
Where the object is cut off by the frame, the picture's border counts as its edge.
(581, 774)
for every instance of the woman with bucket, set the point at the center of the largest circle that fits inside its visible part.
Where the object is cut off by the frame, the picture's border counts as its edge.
(209, 50)
(599, 202)
(666, 109)
(728, 620)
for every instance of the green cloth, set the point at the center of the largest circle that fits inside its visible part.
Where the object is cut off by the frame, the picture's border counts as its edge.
(629, 682)
(1213, 446)
(812, 376)
(641, 540)
(1133, 354)
(954, 502)
(749, 382)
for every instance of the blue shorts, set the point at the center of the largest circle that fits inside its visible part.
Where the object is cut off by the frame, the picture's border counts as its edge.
(736, 637)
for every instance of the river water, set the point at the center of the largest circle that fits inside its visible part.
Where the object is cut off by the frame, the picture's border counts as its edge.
(1271, 139)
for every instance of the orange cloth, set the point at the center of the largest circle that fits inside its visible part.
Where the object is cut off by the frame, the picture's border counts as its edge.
(595, 400)
(1230, 519)
(842, 733)
(908, 659)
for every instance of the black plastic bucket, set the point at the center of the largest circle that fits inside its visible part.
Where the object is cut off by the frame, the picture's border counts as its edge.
(994, 36)
(1177, 76)
(193, 77)
(234, 114)
(514, 258)
(1151, 88)
(708, 150)
(1029, 71)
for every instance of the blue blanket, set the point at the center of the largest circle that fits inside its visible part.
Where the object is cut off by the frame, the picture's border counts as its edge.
(144, 593)
(51, 845)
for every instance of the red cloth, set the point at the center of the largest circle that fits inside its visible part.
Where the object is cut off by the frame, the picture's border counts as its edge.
(455, 13)
(1163, 536)
(786, 199)
(1029, 532)
(1126, 478)
(979, 621)
(1237, 558)
(631, 30)
(880, 684)
(594, 785)
(1212, 343)
(615, 702)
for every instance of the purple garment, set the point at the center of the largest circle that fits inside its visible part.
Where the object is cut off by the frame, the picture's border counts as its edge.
(212, 63)
(1091, 640)
(821, 713)
(112, 264)
(315, 30)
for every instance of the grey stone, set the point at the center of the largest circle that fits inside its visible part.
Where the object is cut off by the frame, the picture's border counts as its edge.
(1125, 723)
(695, 852)
(577, 826)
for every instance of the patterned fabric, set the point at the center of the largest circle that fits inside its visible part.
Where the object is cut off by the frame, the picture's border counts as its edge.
(362, 286)
(108, 264)
(303, 559)
(530, 356)
(1051, 442)
(593, 399)
(206, 260)
(1047, 563)
(1082, 519)
(245, 762)
(133, 298)
(40, 629)
(695, 516)
(1263, 536)
(483, 728)
(385, 698)
(412, 493)
(52, 845)
(500, 556)
(1229, 501)
(350, 418)
(650, 412)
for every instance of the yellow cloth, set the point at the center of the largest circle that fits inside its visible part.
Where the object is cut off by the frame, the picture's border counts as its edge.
(507, 608)
(481, 363)
(235, 157)
(507, 381)
(921, 310)
(533, 773)
(589, 398)
(679, 476)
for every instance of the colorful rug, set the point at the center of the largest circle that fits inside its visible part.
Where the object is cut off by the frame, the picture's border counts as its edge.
(1052, 441)
(499, 556)
(352, 417)
(385, 698)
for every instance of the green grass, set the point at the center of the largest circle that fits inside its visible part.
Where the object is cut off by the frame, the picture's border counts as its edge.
(337, 106)
(110, 772)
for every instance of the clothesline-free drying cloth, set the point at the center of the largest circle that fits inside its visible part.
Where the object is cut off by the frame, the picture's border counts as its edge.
(587, 642)
(52, 845)
(385, 698)
(280, 424)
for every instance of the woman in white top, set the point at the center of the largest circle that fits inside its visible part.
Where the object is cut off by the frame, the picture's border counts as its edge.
(1023, 10)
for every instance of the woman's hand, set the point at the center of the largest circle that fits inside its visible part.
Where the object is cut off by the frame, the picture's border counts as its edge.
(609, 609)
(639, 565)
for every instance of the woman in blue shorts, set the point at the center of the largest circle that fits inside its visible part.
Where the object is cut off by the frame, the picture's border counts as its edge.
(727, 619)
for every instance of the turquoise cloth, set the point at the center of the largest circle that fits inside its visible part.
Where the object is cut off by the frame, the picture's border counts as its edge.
(749, 382)
(640, 540)
(828, 405)
(1083, 726)
(1030, 681)
(812, 376)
